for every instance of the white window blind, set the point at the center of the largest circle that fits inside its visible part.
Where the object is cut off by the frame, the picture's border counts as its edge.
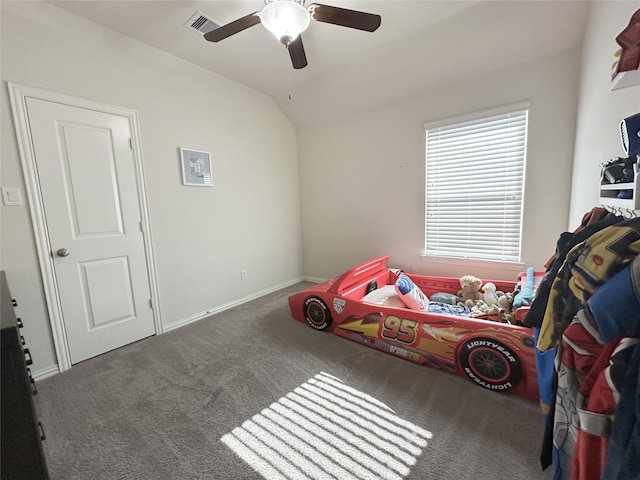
(474, 187)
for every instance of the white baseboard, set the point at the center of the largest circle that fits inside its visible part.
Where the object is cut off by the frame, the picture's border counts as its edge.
(45, 372)
(53, 369)
(227, 306)
(314, 279)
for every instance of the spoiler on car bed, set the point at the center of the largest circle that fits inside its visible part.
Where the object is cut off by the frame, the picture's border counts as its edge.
(358, 275)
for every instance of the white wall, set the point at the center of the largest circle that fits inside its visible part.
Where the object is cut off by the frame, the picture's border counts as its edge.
(599, 109)
(362, 177)
(202, 237)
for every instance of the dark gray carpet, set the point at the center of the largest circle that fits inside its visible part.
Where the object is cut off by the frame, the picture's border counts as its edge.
(160, 408)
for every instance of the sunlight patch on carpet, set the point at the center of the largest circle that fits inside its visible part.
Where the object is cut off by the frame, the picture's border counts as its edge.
(325, 429)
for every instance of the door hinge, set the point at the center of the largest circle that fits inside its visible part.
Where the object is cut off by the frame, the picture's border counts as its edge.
(130, 143)
(151, 304)
(141, 226)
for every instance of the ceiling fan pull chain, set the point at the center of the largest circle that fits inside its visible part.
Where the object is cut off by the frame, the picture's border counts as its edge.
(289, 78)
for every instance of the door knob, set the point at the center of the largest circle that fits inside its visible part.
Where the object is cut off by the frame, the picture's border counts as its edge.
(63, 252)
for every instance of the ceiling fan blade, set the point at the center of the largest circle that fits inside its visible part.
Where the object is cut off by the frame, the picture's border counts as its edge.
(232, 28)
(344, 17)
(296, 52)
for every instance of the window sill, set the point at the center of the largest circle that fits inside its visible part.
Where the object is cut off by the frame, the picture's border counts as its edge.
(469, 262)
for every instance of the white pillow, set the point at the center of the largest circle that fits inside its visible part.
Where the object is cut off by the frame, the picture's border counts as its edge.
(384, 296)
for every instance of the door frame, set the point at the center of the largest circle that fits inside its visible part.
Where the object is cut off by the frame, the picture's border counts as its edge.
(18, 94)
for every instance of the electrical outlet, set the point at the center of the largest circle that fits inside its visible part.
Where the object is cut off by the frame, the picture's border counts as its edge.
(243, 274)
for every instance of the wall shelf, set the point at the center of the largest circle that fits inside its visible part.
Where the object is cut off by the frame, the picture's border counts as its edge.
(625, 79)
(609, 193)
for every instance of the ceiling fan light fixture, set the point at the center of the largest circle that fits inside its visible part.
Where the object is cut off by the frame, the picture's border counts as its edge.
(286, 19)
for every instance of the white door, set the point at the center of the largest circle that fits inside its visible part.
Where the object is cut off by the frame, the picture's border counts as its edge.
(87, 180)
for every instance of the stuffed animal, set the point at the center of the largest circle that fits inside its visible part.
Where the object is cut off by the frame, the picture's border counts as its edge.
(470, 290)
(525, 297)
(481, 309)
(505, 305)
(489, 296)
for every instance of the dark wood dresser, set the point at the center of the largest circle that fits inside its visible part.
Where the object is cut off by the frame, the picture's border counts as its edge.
(21, 433)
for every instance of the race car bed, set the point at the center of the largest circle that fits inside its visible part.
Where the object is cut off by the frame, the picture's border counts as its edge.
(496, 356)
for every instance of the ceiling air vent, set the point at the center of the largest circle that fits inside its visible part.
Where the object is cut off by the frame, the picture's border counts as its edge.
(202, 24)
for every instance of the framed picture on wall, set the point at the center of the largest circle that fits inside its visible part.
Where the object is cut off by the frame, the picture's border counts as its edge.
(196, 167)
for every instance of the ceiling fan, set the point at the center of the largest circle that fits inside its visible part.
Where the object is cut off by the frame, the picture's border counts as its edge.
(286, 19)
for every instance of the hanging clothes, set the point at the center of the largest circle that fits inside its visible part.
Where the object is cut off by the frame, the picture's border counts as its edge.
(565, 243)
(623, 453)
(595, 357)
(580, 352)
(592, 222)
(587, 266)
(601, 411)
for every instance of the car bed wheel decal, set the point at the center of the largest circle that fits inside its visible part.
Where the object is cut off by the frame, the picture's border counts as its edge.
(316, 313)
(490, 364)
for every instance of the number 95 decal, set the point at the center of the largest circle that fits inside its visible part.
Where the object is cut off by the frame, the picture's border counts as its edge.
(403, 330)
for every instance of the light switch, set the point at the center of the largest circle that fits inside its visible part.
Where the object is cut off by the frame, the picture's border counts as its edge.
(11, 196)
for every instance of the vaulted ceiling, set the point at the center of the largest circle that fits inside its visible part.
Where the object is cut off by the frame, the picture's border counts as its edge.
(420, 45)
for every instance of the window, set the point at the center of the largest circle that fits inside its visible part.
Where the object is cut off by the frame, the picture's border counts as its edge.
(474, 186)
